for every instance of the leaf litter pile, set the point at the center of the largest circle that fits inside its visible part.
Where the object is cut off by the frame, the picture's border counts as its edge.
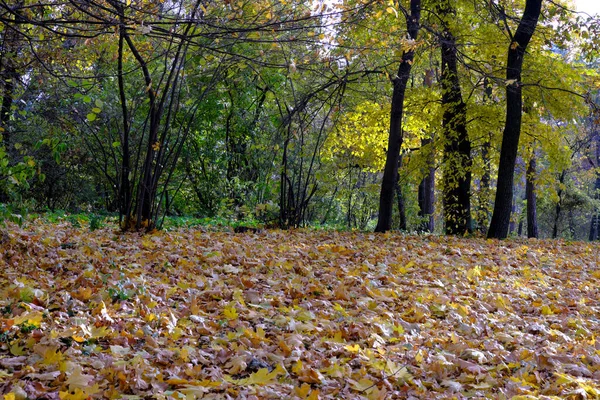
(300, 314)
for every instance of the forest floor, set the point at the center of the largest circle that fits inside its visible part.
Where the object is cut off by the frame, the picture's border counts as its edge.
(294, 314)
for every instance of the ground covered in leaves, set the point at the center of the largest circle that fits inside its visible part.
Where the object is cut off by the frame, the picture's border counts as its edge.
(300, 314)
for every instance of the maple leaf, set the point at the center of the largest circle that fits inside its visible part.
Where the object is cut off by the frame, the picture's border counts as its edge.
(260, 377)
(230, 313)
(76, 378)
(362, 385)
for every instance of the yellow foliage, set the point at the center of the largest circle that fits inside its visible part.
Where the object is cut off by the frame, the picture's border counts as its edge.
(360, 138)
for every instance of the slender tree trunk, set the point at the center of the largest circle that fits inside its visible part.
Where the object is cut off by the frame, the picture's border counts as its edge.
(427, 193)
(558, 208)
(125, 193)
(522, 218)
(512, 129)
(532, 225)
(594, 225)
(427, 185)
(484, 195)
(512, 226)
(390, 173)
(8, 76)
(402, 225)
(401, 207)
(485, 189)
(594, 228)
(457, 149)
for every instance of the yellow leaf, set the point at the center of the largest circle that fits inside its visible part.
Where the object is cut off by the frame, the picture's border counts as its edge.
(260, 377)
(302, 391)
(297, 368)
(33, 318)
(177, 381)
(335, 371)
(547, 310)
(355, 348)
(363, 384)
(419, 357)
(340, 309)
(10, 396)
(474, 274)
(76, 394)
(392, 10)
(150, 317)
(4, 374)
(78, 339)
(314, 395)
(16, 350)
(52, 356)
(230, 313)
(99, 332)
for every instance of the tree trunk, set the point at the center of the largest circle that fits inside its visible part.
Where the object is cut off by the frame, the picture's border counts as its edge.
(9, 76)
(125, 181)
(390, 173)
(427, 191)
(427, 185)
(558, 208)
(484, 194)
(402, 225)
(532, 225)
(594, 229)
(457, 149)
(512, 129)
(512, 226)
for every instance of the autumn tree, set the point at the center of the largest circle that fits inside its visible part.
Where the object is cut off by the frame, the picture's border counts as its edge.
(390, 174)
(512, 130)
(457, 146)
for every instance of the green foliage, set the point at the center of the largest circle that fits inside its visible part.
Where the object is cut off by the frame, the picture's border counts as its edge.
(96, 222)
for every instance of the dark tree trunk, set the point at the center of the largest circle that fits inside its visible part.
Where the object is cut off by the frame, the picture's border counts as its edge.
(532, 225)
(512, 129)
(485, 189)
(390, 173)
(558, 209)
(125, 181)
(402, 225)
(457, 149)
(594, 229)
(9, 77)
(484, 194)
(401, 207)
(427, 185)
(512, 226)
(594, 223)
(427, 190)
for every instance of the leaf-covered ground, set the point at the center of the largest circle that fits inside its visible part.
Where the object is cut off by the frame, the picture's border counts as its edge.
(300, 314)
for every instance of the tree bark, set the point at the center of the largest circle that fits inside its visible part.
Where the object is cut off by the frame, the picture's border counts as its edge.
(512, 129)
(558, 208)
(594, 228)
(9, 77)
(457, 149)
(390, 173)
(427, 190)
(402, 225)
(484, 195)
(532, 225)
